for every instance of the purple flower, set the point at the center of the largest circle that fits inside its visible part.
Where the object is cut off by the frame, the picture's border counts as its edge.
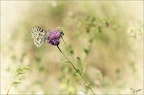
(54, 37)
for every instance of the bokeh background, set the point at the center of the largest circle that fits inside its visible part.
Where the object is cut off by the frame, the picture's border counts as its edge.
(106, 35)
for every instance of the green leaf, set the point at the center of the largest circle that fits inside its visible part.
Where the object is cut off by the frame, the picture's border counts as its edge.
(76, 73)
(17, 82)
(98, 30)
(22, 69)
(25, 67)
(105, 22)
(79, 65)
(86, 51)
(72, 52)
(13, 72)
(19, 71)
(87, 29)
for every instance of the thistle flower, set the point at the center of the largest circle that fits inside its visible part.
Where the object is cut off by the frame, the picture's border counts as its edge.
(54, 37)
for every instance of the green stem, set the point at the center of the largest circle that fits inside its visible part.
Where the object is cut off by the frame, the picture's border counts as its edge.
(87, 83)
(67, 58)
(9, 88)
(11, 84)
(77, 71)
(66, 48)
(89, 50)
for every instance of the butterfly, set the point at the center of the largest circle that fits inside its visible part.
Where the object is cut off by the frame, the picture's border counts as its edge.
(39, 35)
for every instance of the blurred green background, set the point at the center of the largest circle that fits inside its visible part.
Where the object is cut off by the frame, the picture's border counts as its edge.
(106, 35)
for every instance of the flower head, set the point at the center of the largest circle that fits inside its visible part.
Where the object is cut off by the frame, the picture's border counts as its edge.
(54, 37)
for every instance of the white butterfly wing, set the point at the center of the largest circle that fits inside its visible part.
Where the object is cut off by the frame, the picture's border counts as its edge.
(35, 32)
(38, 42)
(38, 34)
